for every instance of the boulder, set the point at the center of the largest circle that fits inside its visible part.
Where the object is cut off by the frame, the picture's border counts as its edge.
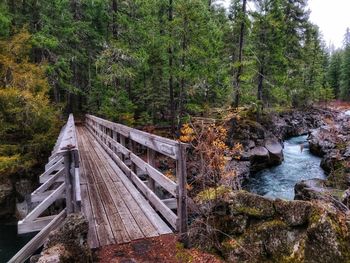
(68, 243)
(294, 231)
(275, 151)
(259, 158)
(249, 204)
(294, 213)
(7, 200)
(312, 189)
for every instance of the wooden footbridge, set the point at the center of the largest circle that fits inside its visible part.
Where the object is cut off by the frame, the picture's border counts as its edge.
(111, 173)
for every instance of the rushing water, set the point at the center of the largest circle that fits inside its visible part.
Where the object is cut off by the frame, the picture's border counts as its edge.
(10, 242)
(279, 181)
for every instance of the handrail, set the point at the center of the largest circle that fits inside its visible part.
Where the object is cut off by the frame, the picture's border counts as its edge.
(59, 181)
(120, 141)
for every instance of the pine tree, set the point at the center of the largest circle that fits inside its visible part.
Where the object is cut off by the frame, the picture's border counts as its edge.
(345, 71)
(334, 72)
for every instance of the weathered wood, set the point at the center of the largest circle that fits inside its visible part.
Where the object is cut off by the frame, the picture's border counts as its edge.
(171, 203)
(37, 211)
(35, 225)
(161, 227)
(54, 178)
(162, 145)
(52, 162)
(182, 196)
(47, 174)
(151, 160)
(35, 243)
(160, 178)
(39, 197)
(68, 182)
(153, 143)
(77, 190)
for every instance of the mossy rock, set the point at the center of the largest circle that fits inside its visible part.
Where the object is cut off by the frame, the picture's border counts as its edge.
(252, 205)
(293, 213)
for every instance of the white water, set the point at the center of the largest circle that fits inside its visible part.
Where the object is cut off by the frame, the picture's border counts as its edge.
(279, 181)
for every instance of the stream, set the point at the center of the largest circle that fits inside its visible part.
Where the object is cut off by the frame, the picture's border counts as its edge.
(279, 181)
(10, 242)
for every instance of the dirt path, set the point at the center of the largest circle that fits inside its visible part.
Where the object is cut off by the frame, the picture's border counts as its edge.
(163, 249)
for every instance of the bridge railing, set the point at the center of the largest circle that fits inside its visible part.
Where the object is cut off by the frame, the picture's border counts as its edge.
(59, 181)
(121, 141)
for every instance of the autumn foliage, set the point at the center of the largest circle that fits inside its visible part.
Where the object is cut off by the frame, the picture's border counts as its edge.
(208, 161)
(27, 121)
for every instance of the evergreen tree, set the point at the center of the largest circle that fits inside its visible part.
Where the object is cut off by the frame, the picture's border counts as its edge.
(334, 72)
(345, 70)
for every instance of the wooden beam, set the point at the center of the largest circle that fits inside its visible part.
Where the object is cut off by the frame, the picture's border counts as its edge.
(182, 197)
(39, 197)
(151, 156)
(49, 182)
(155, 201)
(154, 174)
(37, 241)
(47, 174)
(37, 211)
(35, 225)
(160, 178)
(171, 203)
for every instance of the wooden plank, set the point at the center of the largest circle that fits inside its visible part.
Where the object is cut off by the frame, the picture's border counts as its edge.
(37, 211)
(49, 182)
(170, 202)
(182, 197)
(156, 143)
(161, 207)
(36, 242)
(123, 225)
(39, 197)
(156, 202)
(118, 228)
(87, 210)
(67, 181)
(34, 226)
(160, 178)
(104, 231)
(46, 175)
(154, 218)
(129, 207)
(52, 162)
(77, 189)
(151, 160)
(162, 145)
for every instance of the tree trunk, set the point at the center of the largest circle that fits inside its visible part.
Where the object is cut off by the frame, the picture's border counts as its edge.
(240, 54)
(114, 18)
(171, 77)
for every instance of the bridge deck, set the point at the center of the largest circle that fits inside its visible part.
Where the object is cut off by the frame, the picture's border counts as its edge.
(116, 210)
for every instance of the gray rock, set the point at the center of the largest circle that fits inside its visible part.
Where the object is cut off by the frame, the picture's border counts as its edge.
(294, 213)
(275, 151)
(259, 158)
(7, 200)
(68, 243)
(253, 205)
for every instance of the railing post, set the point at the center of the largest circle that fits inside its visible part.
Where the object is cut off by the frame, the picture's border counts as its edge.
(181, 175)
(151, 154)
(67, 180)
(75, 180)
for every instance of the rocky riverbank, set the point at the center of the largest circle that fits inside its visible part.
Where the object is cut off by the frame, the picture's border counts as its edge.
(263, 141)
(244, 227)
(331, 141)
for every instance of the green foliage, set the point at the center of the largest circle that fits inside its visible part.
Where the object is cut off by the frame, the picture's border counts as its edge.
(27, 121)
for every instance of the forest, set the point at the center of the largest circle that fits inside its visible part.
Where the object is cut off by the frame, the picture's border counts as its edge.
(157, 63)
